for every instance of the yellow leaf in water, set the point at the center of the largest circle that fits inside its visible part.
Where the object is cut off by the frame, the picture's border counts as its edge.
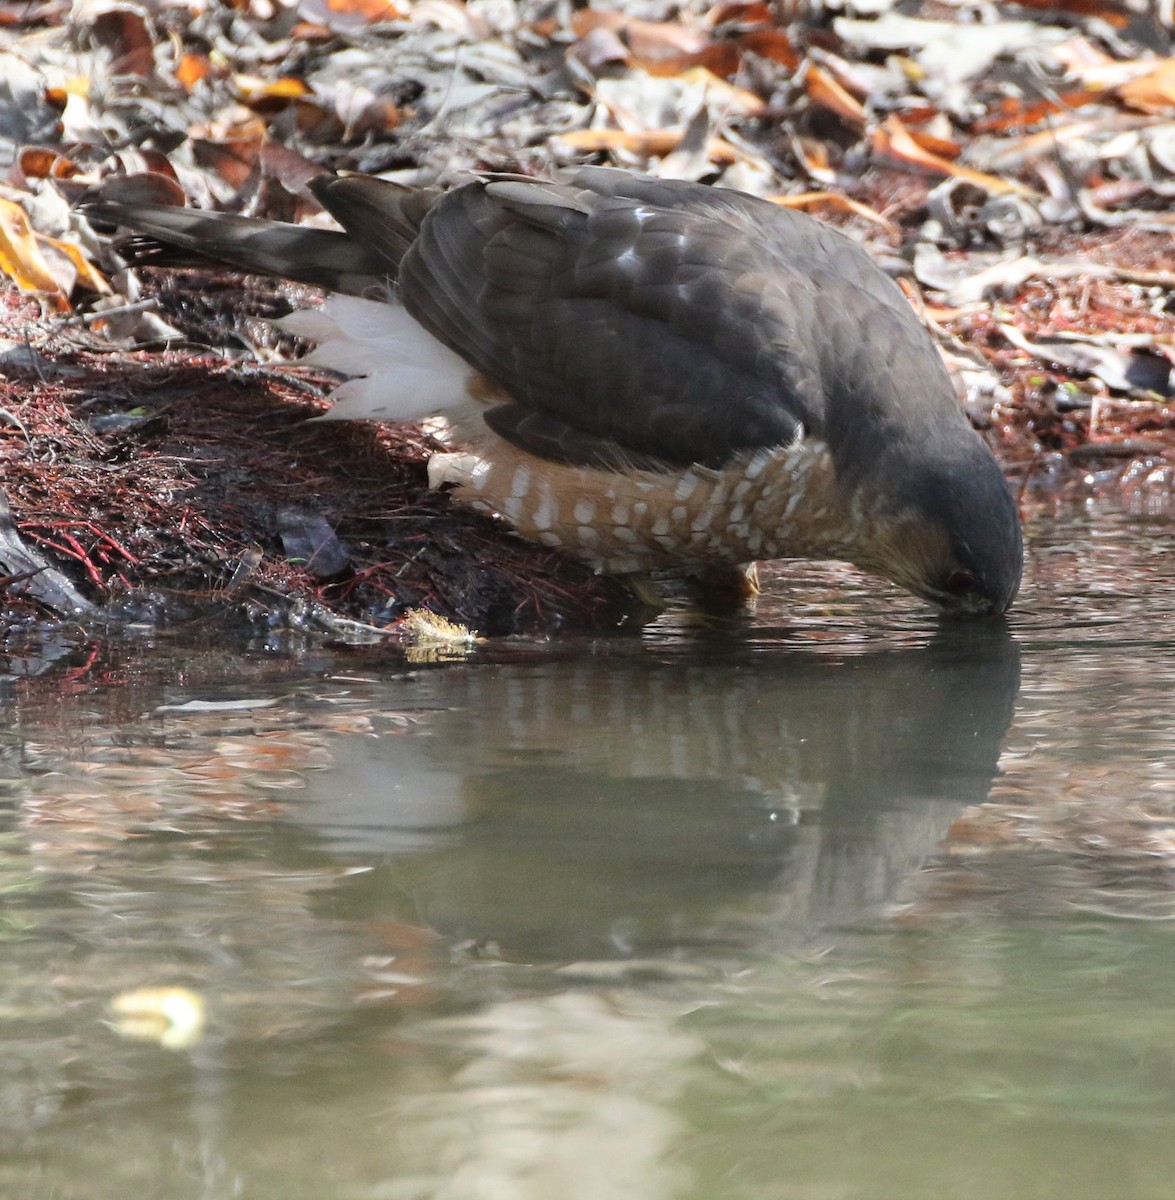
(171, 1016)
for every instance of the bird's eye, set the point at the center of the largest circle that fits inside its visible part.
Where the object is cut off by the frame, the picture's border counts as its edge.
(959, 583)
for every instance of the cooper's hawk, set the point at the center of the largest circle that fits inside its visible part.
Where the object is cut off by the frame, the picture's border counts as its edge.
(645, 373)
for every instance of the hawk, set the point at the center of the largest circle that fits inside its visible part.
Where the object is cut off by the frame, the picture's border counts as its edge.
(643, 373)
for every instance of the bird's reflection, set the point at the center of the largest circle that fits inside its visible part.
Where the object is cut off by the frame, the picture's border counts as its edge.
(598, 808)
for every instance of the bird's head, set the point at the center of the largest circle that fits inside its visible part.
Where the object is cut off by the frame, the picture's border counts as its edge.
(949, 530)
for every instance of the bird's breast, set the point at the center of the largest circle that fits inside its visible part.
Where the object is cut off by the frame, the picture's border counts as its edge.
(774, 503)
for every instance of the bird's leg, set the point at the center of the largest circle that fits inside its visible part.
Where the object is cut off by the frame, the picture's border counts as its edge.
(716, 591)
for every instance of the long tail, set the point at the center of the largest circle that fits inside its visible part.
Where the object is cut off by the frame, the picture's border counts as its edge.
(320, 257)
(399, 372)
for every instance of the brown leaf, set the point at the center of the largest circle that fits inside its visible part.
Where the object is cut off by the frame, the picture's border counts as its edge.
(43, 162)
(892, 140)
(124, 32)
(1113, 13)
(145, 158)
(284, 163)
(1014, 113)
(584, 20)
(311, 31)
(732, 99)
(649, 41)
(725, 57)
(740, 14)
(600, 48)
(146, 188)
(813, 157)
(314, 117)
(943, 147)
(1153, 92)
(362, 112)
(39, 263)
(772, 44)
(826, 92)
(1013, 153)
(233, 159)
(649, 143)
(806, 201)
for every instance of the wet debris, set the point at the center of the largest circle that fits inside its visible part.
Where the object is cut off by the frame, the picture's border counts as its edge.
(430, 638)
(309, 541)
(1133, 371)
(28, 573)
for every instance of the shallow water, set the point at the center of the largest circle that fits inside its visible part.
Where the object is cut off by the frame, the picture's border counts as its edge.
(830, 902)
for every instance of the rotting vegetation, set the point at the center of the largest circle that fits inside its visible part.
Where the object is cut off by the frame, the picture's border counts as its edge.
(1012, 166)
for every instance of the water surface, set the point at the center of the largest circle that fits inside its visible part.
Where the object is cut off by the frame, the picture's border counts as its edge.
(829, 902)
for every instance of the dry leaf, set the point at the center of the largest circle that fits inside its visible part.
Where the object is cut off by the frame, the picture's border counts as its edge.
(740, 14)
(942, 147)
(452, 16)
(813, 157)
(43, 162)
(127, 37)
(599, 49)
(351, 15)
(191, 68)
(232, 161)
(1079, 54)
(730, 98)
(726, 57)
(977, 276)
(1122, 370)
(251, 89)
(1153, 92)
(649, 41)
(1114, 14)
(828, 93)
(21, 258)
(1013, 113)
(84, 274)
(806, 201)
(149, 187)
(893, 140)
(649, 143)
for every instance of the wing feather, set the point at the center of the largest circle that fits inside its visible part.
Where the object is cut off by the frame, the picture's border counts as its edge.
(623, 321)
